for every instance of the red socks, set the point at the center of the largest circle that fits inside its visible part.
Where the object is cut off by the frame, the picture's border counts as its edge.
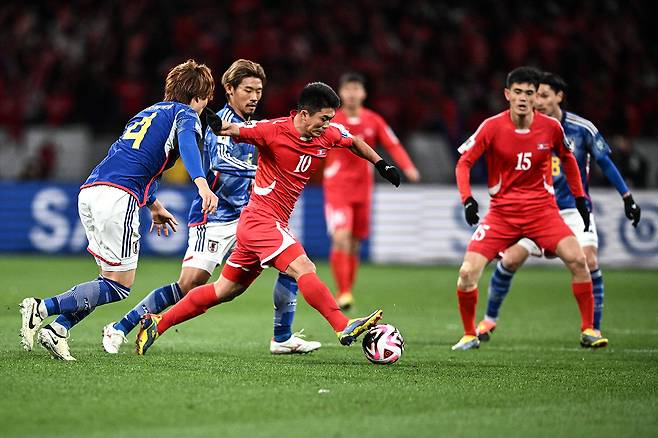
(317, 294)
(585, 297)
(467, 307)
(354, 266)
(341, 268)
(196, 302)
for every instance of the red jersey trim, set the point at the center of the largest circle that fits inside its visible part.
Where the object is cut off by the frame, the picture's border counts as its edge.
(102, 259)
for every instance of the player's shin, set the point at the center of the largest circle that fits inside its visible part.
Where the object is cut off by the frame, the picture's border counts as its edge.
(86, 296)
(196, 302)
(499, 286)
(155, 302)
(585, 299)
(65, 322)
(317, 294)
(597, 284)
(340, 267)
(285, 304)
(467, 307)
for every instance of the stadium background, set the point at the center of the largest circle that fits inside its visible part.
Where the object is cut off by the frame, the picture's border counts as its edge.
(74, 72)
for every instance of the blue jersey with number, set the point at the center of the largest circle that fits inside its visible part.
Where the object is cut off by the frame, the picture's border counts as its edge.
(148, 146)
(229, 170)
(585, 141)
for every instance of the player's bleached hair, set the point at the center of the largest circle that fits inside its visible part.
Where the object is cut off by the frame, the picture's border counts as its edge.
(351, 76)
(187, 81)
(241, 69)
(523, 75)
(317, 96)
(554, 81)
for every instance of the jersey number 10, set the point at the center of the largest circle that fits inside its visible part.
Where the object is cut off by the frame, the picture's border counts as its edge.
(137, 130)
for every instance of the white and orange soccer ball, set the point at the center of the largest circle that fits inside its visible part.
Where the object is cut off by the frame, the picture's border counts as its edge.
(383, 344)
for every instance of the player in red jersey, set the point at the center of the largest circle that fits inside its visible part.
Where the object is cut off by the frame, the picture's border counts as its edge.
(518, 144)
(290, 150)
(348, 183)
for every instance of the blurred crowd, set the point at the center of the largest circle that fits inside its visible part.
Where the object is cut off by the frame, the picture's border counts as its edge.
(437, 66)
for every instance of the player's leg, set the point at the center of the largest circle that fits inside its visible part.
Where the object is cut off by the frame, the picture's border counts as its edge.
(501, 280)
(467, 296)
(340, 217)
(591, 255)
(284, 340)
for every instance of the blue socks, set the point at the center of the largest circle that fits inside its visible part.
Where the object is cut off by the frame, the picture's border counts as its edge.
(499, 286)
(597, 283)
(155, 302)
(285, 304)
(86, 296)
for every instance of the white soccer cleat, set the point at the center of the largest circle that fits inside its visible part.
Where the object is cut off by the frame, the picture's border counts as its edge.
(112, 339)
(57, 345)
(294, 345)
(467, 342)
(31, 320)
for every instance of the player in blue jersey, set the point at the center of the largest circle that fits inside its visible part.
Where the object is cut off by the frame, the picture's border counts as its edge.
(586, 142)
(229, 170)
(110, 198)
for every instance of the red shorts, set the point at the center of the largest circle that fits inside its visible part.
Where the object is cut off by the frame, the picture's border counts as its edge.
(354, 216)
(500, 230)
(261, 241)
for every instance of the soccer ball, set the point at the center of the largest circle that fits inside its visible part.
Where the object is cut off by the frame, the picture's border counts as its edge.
(383, 344)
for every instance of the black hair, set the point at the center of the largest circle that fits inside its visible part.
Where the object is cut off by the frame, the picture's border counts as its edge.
(523, 75)
(352, 76)
(316, 96)
(554, 81)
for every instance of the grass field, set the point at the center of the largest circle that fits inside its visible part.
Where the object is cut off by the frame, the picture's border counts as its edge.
(214, 376)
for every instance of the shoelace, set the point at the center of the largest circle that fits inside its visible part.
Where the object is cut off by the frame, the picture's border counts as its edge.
(300, 334)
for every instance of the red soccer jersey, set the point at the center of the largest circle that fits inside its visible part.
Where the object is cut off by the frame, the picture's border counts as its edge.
(286, 161)
(346, 175)
(518, 161)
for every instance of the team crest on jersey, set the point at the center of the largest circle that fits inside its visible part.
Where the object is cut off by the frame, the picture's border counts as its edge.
(322, 152)
(136, 247)
(212, 245)
(542, 146)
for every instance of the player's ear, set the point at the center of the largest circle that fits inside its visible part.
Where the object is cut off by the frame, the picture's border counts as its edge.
(229, 89)
(507, 94)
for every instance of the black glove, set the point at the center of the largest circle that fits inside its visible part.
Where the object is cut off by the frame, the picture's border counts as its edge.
(213, 120)
(632, 210)
(389, 172)
(471, 211)
(581, 206)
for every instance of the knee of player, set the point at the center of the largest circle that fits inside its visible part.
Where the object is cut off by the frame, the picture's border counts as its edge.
(467, 275)
(187, 284)
(592, 261)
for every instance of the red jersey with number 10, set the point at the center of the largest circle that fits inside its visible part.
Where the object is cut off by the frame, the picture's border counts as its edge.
(286, 161)
(518, 161)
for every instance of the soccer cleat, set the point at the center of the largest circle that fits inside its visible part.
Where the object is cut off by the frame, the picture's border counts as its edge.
(148, 333)
(591, 338)
(345, 301)
(57, 345)
(112, 339)
(294, 345)
(31, 320)
(484, 329)
(355, 327)
(466, 343)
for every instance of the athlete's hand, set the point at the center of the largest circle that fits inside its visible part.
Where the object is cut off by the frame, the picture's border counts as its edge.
(213, 121)
(632, 210)
(581, 206)
(162, 219)
(230, 129)
(389, 172)
(471, 211)
(210, 200)
(412, 174)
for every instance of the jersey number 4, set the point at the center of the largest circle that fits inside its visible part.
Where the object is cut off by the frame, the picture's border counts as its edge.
(523, 161)
(137, 130)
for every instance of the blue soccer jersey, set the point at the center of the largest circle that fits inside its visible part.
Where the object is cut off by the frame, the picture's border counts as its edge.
(229, 167)
(150, 144)
(585, 141)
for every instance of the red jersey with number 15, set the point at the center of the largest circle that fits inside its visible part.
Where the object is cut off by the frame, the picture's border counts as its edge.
(518, 161)
(286, 161)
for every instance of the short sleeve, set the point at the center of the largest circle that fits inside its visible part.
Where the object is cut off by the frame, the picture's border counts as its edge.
(340, 136)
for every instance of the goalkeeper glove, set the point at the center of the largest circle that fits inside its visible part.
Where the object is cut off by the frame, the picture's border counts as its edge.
(632, 210)
(213, 120)
(389, 172)
(581, 206)
(471, 211)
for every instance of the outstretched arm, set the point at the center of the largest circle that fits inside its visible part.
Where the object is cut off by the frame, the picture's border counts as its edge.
(361, 149)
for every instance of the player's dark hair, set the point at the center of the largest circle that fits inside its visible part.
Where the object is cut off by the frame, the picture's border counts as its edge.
(187, 81)
(554, 81)
(241, 69)
(351, 76)
(317, 96)
(523, 75)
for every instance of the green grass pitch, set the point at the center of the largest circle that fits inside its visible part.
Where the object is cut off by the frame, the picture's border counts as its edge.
(214, 376)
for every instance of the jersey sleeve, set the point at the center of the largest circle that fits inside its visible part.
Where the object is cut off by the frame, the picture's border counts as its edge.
(225, 155)
(187, 119)
(387, 138)
(472, 149)
(260, 134)
(340, 136)
(600, 150)
(569, 163)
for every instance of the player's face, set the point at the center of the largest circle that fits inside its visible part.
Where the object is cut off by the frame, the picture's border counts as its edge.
(521, 98)
(198, 104)
(315, 124)
(548, 101)
(246, 96)
(352, 94)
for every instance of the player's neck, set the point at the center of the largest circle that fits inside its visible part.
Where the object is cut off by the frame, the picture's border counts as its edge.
(352, 111)
(522, 121)
(299, 126)
(237, 111)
